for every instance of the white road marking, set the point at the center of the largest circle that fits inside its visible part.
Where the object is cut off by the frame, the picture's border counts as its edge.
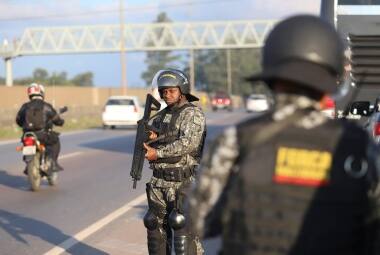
(71, 155)
(62, 247)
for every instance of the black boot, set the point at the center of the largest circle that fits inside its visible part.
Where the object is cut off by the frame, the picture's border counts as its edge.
(185, 245)
(56, 167)
(181, 245)
(157, 243)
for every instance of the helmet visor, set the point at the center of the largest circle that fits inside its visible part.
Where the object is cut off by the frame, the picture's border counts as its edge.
(155, 78)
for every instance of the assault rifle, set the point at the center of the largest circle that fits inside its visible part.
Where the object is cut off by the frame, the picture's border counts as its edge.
(142, 136)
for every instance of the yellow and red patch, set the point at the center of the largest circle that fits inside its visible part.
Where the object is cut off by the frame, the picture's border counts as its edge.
(302, 167)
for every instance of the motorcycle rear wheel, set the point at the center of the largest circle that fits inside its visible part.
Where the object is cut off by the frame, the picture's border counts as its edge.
(34, 172)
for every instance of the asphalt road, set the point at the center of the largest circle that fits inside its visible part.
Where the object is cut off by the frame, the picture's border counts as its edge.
(93, 209)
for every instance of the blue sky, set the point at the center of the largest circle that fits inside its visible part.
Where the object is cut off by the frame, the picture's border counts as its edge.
(20, 14)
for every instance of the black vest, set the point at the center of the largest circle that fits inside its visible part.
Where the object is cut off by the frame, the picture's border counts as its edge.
(168, 127)
(299, 192)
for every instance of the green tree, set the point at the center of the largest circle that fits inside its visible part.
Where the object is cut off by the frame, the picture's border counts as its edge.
(215, 70)
(200, 57)
(23, 81)
(57, 79)
(211, 70)
(244, 63)
(83, 79)
(40, 75)
(157, 60)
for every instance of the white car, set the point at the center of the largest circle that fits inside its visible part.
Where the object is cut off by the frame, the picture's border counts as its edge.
(257, 103)
(121, 111)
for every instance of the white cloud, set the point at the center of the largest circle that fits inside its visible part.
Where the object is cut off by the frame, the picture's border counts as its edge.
(279, 9)
(18, 10)
(91, 12)
(22, 14)
(69, 11)
(180, 10)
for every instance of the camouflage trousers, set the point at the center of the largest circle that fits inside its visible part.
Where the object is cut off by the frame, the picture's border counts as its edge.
(165, 201)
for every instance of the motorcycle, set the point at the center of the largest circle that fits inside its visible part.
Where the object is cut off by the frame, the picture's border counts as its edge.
(38, 159)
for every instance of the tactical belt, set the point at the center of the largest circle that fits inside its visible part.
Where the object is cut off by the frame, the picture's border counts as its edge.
(177, 174)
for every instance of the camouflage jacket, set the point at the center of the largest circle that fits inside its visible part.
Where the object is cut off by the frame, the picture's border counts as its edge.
(191, 126)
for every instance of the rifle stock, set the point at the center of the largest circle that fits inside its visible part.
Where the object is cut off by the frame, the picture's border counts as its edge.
(141, 137)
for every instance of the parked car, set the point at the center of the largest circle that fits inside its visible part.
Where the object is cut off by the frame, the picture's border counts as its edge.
(257, 103)
(121, 111)
(220, 101)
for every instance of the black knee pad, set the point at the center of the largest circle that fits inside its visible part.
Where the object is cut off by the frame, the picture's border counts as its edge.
(177, 220)
(150, 220)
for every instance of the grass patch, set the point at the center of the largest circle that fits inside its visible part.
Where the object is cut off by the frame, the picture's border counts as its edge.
(10, 132)
(71, 124)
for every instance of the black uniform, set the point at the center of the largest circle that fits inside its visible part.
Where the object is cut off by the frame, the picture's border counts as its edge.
(50, 118)
(315, 195)
(293, 181)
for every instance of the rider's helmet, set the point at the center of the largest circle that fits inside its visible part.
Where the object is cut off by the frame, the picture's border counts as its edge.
(306, 50)
(36, 90)
(174, 78)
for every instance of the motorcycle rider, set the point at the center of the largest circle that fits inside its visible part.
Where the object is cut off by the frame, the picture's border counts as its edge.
(293, 181)
(174, 161)
(45, 117)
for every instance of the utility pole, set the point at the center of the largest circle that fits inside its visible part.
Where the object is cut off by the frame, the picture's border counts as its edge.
(229, 74)
(192, 71)
(8, 65)
(123, 60)
(8, 72)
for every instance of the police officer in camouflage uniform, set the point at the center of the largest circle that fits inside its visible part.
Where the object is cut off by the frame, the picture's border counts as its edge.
(174, 160)
(292, 181)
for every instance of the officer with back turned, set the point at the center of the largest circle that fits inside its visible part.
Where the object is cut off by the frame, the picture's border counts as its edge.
(174, 160)
(292, 181)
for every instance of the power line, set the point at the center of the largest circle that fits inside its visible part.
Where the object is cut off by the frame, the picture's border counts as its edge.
(133, 9)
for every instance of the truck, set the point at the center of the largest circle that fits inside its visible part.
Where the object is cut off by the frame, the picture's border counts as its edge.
(358, 23)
